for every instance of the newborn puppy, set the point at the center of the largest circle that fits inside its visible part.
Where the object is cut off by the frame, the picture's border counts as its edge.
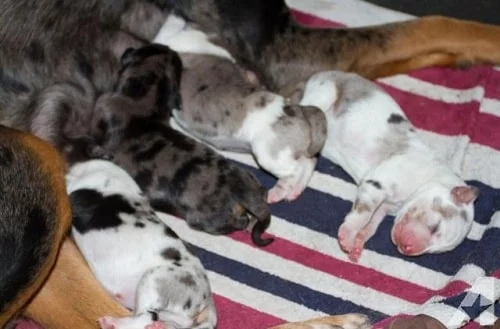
(136, 257)
(228, 107)
(178, 175)
(371, 138)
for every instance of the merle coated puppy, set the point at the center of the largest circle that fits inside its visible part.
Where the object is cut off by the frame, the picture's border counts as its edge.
(179, 175)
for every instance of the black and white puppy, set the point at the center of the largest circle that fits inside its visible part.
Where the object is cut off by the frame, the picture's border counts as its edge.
(136, 257)
(371, 138)
(228, 107)
(178, 175)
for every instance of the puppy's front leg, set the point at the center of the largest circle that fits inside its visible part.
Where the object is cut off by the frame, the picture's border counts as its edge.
(293, 173)
(363, 220)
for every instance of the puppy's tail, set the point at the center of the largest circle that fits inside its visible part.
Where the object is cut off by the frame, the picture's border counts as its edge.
(258, 229)
(318, 128)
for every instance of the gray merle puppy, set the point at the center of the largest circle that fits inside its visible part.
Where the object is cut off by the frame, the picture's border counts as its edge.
(178, 175)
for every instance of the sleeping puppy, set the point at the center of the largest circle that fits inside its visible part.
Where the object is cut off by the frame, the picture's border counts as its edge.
(136, 257)
(370, 137)
(228, 107)
(178, 175)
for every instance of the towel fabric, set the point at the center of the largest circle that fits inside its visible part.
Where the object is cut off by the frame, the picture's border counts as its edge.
(304, 274)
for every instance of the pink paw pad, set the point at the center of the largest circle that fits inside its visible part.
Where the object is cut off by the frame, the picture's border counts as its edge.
(344, 238)
(156, 325)
(106, 322)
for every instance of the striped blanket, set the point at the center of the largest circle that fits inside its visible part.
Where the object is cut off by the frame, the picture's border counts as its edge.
(304, 274)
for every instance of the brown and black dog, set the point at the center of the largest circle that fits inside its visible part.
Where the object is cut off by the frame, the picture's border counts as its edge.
(35, 216)
(58, 56)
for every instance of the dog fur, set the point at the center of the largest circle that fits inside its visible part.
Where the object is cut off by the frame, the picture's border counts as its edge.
(177, 174)
(35, 216)
(371, 138)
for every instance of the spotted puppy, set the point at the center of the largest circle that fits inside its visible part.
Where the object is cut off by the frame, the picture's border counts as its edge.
(371, 138)
(178, 175)
(228, 107)
(136, 256)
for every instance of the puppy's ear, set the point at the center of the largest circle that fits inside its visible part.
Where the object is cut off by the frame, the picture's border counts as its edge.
(464, 194)
(127, 57)
(318, 128)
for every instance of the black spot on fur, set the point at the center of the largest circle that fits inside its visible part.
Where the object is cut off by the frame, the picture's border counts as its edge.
(93, 211)
(144, 178)
(288, 111)
(171, 254)
(396, 118)
(177, 263)
(84, 66)
(150, 153)
(36, 52)
(139, 225)
(187, 304)
(154, 316)
(374, 183)
(202, 88)
(227, 113)
(9, 84)
(29, 253)
(6, 156)
(169, 232)
(188, 280)
(138, 87)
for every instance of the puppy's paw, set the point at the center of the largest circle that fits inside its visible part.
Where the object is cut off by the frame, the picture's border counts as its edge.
(356, 321)
(107, 322)
(346, 237)
(276, 194)
(156, 325)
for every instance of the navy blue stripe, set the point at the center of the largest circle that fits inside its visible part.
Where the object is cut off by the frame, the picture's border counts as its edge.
(279, 287)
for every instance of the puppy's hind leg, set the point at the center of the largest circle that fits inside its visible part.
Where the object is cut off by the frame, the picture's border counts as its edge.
(293, 173)
(362, 221)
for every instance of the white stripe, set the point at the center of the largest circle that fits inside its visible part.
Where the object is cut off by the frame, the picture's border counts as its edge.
(490, 106)
(324, 244)
(481, 163)
(348, 12)
(295, 272)
(260, 300)
(434, 91)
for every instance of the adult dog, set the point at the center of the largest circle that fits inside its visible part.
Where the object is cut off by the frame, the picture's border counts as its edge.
(57, 56)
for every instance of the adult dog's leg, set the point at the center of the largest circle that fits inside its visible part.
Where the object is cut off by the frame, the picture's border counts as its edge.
(379, 51)
(35, 216)
(72, 297)
(346, 321)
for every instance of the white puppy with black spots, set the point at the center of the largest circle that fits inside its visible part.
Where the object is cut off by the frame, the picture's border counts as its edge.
(136, 256)
(370, 137)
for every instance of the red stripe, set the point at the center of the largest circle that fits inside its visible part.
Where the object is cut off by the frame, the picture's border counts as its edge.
(487, 131)
(437, 116)
(352, 272)
(313, 21)
(493, 86)
(455, 78)
(235, 315)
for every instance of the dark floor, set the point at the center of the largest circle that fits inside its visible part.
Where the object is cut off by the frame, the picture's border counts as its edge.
(487, 11)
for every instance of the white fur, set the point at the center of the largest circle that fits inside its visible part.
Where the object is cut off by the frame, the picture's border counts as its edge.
(412, 179)
(128, 260)
(181, 37)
